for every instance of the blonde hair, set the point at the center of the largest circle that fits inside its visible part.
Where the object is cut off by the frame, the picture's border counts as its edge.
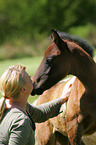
(11, 83)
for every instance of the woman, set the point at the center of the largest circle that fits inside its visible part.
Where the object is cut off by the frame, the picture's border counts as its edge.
(17, 116)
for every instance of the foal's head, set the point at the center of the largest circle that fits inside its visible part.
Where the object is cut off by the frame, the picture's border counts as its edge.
(58, 62)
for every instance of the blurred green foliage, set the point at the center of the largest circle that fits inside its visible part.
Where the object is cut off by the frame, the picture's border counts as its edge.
(26, 24)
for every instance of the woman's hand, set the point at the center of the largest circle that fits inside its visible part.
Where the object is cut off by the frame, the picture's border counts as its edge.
(66, 96)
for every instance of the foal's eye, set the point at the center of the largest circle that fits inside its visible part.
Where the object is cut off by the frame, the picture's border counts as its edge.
(49, 60)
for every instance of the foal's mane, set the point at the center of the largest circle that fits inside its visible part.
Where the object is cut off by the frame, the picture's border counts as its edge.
(81, 42)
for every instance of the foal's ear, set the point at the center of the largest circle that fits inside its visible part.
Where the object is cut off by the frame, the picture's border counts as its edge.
(58, 40)
(55, 36)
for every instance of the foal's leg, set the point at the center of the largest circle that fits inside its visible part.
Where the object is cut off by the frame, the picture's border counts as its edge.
(81, 143)
(44, 133)
(74, 131)
(60, 139)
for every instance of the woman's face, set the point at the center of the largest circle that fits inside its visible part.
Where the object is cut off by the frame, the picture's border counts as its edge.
(28, 85)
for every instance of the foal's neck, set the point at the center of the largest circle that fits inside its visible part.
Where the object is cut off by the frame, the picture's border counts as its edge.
(85, 70)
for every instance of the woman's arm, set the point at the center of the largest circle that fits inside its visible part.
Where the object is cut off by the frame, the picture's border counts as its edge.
(45, 111)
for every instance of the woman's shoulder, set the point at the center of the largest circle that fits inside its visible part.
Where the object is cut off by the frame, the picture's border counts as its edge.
(15, 114)
(15, 117)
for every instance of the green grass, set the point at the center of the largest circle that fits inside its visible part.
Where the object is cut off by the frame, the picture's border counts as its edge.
(31, 64)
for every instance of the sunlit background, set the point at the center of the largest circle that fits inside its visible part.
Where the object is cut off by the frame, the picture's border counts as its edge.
(25, 27)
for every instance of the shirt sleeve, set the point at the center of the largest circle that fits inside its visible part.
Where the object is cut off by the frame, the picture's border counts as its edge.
(20, 132)
(45, 111)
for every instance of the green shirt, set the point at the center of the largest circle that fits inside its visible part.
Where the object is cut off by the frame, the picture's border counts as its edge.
(16, 126)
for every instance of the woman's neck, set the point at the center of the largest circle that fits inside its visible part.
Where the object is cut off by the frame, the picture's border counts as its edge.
(20, 104)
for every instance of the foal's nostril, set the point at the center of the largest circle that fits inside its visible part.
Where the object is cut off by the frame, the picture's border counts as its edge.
(34, 85)
(36, 92)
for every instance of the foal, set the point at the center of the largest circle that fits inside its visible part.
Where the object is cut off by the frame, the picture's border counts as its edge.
(65, 57)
